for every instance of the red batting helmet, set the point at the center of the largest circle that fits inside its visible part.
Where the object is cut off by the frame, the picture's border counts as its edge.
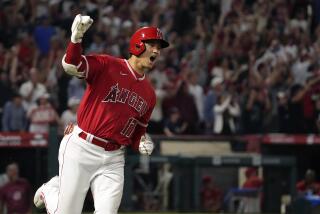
(143, 34)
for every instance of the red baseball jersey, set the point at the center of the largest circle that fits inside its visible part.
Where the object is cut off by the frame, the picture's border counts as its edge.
(118, 102)
(16, 196)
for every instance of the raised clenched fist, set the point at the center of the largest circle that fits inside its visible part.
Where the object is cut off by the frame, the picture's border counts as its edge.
(79, 26)
(146, 145)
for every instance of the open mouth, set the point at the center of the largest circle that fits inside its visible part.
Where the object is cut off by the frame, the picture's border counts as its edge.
(153, 58)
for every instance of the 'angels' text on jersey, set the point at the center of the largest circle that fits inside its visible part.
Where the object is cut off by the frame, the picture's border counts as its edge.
(125, 96)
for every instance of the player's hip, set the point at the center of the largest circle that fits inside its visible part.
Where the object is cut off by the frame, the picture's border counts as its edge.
(92, 145)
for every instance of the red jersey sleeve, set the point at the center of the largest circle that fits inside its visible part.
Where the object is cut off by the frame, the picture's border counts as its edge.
(92, 65)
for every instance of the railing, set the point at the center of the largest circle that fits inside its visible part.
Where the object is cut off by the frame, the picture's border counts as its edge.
(46, 151)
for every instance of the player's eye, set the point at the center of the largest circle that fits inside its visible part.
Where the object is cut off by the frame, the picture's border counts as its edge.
(153, 44)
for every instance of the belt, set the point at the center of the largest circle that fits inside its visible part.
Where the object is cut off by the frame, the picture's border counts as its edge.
(105, 144)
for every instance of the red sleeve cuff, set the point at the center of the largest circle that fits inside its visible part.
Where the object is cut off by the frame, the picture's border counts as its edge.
(73, 53)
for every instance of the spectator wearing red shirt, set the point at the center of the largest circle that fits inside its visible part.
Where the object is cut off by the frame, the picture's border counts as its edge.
(252, 204)
(16, 194)
(211, 196)
(308, 184)
(253, 181)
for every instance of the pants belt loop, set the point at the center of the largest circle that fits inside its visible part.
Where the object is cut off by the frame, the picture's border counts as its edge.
(89, 137)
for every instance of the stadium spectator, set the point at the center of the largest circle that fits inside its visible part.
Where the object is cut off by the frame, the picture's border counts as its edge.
(283, 111)
(4, 179)
(159, 74)
(197, 92)
(252, 179)
(16, 195)
(188, 114)
(226, 110)
(32, 89)
(216, 89)
(251, 204)
(14, 115)
(299, 105)
(174, 124)
(6, 90)
(27, 51)
(211, 195)
(256, 105)
(156, 118)
(308, 185)
(69, 115)
(43, 33)
(41, 115)
(76, 88)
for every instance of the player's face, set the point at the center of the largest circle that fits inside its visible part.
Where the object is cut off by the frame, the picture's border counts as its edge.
(149, 56)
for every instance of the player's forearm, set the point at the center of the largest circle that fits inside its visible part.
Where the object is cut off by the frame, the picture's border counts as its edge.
(73, 53)
(135, 144)
(71, 62)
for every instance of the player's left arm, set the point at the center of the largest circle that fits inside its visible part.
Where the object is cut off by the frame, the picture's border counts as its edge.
(140, 140)
(136, 137)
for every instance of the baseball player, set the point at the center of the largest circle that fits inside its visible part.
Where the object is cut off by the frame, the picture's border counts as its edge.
(113, 114)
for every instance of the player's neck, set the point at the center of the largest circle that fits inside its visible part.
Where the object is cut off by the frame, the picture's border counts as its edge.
(137, 67)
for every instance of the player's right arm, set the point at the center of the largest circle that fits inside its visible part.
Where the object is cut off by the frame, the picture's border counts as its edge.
(73, 62)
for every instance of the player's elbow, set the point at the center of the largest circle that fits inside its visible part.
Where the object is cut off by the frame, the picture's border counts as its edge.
(71, 69)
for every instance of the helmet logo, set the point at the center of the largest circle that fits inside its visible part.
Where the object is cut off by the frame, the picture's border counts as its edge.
(159, 33)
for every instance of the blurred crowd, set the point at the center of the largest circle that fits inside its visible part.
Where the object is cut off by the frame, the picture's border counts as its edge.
(233, 66)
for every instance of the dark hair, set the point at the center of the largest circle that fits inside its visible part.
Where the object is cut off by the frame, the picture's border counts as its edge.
(294, 89)
(173, 110)
(15, 94)
(181, 88)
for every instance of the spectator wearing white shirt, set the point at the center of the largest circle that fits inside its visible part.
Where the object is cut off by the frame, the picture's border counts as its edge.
(41, 115)
(197, 92)
(225, 111)
(210, 100)
(70, 114)
(32, 89)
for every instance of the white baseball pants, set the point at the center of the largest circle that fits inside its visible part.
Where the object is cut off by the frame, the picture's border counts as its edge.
(83, 165)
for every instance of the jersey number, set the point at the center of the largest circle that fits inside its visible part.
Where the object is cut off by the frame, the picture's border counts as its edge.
(129, 127)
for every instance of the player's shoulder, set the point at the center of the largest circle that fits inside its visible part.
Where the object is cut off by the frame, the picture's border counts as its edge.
(105, 57)
(109, 61)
